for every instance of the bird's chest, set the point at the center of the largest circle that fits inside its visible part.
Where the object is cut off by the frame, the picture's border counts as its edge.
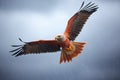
(67, 45)
(69, 49)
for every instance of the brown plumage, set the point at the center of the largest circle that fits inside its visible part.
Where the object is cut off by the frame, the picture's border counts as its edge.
(40, 46)
(77, 21)
(63, 43)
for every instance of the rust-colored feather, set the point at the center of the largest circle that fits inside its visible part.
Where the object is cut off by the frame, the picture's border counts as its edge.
(74, 53)
(76, 22)
(40, 46)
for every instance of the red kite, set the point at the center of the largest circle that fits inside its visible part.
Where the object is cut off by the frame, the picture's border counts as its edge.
(64, 43)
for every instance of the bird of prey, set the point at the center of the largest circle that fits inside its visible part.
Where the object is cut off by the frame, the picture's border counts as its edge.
(65, 42)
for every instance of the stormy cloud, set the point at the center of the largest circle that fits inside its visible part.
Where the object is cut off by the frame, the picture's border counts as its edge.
(43, 19)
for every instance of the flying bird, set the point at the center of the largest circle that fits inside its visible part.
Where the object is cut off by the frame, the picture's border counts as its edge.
(62, 42)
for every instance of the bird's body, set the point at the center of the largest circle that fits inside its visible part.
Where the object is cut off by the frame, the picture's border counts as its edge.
(69, 49)
(65, 42)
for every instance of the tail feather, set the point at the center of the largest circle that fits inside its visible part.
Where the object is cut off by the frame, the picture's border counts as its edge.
(65, 57)
(79, 48)
(68, 57)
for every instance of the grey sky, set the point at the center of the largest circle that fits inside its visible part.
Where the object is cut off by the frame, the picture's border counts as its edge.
(43, 19)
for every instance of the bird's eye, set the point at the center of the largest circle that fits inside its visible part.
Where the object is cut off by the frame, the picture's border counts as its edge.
(59, 36)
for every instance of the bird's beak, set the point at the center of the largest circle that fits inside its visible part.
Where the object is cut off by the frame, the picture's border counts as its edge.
(56, 38)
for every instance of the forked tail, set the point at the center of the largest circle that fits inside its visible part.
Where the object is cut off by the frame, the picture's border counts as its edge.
(77, 48)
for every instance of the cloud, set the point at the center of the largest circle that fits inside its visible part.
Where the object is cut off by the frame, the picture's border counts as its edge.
(100, 59)
(36, 5)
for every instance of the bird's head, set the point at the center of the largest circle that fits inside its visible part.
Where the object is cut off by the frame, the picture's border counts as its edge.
(60, 38)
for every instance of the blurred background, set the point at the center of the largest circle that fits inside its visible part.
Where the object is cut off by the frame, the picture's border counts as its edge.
(42, 19)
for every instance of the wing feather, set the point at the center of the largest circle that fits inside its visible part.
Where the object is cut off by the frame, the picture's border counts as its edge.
(77, 21)
(41, 46)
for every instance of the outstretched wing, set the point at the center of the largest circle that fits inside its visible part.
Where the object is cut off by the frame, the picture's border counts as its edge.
(40, 46)
(77, 21)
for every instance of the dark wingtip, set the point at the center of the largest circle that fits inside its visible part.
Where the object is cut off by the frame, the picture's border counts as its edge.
(82, 5)
(21, 40)
(16, 45)
(89, 8)
(17, 52)
(15, 49)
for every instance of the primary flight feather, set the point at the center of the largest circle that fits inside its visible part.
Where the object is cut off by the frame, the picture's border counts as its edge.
(64, 43)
